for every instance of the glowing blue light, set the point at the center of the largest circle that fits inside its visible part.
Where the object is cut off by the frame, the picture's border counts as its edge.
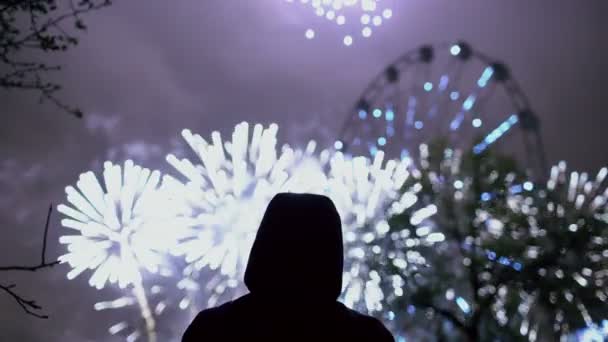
(405, 154)
(419, 124)
(428, 86)
(455, 124)
(454, 95)
(595, 333)
(504, 261)
(469, 102)
(463, 305)
(496, 134)
(391, 315)
(443, 82)
(390, 131)
(373, 150)
(486, 196)
(362, 114)
(410, 116)
(390, 115)
(455, 50)
(479, 148)
(485, 77)
(591, 335)
(477, 122)
(377, 113)
(515, 189)
(411, 110)
(517, 266)
(338, 145)
(491, 255)
(411, 309)
(528, 186)
(382, 141)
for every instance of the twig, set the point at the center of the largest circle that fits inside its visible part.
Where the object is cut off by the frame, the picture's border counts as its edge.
(46, 233)
(26, 304)
(43, 263)
(29, 305)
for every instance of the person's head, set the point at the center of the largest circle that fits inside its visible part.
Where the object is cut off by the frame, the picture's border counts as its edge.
(298, 249)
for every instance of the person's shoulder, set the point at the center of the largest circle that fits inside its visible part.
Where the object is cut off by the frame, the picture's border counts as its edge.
(209, 323)
(367, 326)
(213, 314)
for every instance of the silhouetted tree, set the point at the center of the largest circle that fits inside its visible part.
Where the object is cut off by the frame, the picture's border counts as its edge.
(447, 260)
(504, 258)
(29, 29)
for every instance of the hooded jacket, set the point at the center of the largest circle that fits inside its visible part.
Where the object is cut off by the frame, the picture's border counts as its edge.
(294, 277)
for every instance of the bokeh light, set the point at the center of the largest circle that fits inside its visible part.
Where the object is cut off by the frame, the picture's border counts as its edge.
(356, 18)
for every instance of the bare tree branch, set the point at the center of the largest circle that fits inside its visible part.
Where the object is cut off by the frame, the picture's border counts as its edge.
(29, 305)
(43, 262)
(39, 26)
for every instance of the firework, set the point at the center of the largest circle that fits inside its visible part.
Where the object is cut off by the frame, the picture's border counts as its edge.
(123, 227)
(502, 248)
(228, 192)
(364, 15)
(565, 246)
(157, 299)
(236, 180)
(363, 191)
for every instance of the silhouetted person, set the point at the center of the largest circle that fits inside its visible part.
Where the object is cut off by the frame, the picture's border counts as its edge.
(294, 277)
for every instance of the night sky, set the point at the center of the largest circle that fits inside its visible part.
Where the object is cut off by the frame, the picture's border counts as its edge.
(146, 69)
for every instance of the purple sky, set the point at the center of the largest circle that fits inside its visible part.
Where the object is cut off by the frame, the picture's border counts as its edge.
(147, 69)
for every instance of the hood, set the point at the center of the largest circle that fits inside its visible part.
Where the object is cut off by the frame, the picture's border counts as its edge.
(297, 250)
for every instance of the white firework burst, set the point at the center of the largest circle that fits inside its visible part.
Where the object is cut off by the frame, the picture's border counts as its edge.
(127, 225)
(228, 193)
(236, 180)
(364, 191)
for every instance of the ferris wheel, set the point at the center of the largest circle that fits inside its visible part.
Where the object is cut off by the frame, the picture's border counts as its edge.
(445, 91)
